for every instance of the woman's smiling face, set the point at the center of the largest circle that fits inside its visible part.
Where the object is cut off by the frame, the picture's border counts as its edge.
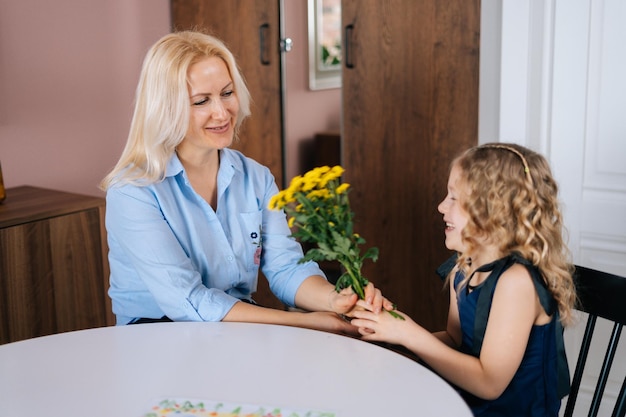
(454, 216)
(214, 106)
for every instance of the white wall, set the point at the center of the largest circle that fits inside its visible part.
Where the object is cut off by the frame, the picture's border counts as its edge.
(553, 80)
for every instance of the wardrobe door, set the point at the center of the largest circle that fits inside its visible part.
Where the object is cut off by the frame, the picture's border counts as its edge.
(410, 104)
(251, 30)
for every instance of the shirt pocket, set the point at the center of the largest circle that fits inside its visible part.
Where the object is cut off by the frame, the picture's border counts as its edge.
(252, 238)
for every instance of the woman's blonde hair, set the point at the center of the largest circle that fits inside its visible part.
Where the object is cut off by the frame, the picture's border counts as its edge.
(510, 196)
(161, 117)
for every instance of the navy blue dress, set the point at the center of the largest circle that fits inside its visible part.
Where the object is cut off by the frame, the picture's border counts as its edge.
(543, 377)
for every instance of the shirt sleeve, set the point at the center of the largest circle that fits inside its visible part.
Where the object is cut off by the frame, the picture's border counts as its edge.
(150, 270)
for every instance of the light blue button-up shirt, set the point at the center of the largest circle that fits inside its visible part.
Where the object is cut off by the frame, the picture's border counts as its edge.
(172, 255)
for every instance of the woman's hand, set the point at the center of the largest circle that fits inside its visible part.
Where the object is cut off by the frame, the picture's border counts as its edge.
(346, 301)
(321, 320)
(328, 322)
(317, 294)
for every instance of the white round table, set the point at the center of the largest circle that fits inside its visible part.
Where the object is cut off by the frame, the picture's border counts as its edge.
(124, 370)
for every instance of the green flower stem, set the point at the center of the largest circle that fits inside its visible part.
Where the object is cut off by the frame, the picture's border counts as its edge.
(358, 289)
(394, 314)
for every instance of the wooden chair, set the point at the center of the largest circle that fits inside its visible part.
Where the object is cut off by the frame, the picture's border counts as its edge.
(601, 295)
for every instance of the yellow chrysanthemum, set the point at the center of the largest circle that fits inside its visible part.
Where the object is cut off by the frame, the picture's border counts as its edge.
(324, 181)
(296, 184)
(289, 196)
(309, 184)
(342, 188)
(277, 202)
(273, 204)
(337, 171)
(312, 174)
(318, 195)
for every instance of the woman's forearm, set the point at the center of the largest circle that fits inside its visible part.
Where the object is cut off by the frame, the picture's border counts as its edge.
(326, 321)
(315, 294)
(245, 312)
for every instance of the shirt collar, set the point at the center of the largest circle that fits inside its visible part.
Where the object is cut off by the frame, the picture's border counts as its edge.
(228, 164)
(174, 166)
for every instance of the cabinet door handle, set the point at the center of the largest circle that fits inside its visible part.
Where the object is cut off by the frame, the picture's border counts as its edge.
(263, 30)
(347, 45)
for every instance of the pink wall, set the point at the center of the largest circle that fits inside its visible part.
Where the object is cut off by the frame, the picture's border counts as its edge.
(307, 112)
(68, 70)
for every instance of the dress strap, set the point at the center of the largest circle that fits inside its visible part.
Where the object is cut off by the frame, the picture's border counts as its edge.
(445, 268)
(483, 304)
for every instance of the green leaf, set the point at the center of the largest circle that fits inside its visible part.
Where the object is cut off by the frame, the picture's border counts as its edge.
(371, 253)
(344, 281)
(319, 255)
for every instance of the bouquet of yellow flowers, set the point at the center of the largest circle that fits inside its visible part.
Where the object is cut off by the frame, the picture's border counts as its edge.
(318, 208)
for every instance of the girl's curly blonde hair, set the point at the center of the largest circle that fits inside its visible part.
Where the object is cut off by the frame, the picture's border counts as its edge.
(510, 196)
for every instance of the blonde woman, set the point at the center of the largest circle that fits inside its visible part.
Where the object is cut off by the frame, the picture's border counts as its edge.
(187, 219)
(511, 287)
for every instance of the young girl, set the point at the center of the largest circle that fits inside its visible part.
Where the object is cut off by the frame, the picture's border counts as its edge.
(511, 287)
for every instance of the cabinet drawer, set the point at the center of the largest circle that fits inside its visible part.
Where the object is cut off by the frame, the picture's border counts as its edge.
(53, 275)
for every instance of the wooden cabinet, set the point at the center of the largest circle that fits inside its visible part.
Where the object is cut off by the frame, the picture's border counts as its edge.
(410, 104)
(53, 263)
(251, 30)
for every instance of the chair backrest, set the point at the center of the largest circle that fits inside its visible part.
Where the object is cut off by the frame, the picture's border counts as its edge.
(600, 295)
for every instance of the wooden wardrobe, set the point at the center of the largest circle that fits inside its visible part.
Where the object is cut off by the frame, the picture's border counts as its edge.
(410, 104)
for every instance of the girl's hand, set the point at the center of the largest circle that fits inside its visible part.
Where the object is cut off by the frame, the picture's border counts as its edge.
(377, 327)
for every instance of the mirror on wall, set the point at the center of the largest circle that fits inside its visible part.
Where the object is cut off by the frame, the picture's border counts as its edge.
(324, 44)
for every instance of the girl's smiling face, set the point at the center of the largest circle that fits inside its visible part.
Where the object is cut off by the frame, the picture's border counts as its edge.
(454, 216)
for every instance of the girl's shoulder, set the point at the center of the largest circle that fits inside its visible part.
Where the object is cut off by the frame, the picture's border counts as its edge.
(522, 277)
(516, 272)
(510, 273)
(516, 280)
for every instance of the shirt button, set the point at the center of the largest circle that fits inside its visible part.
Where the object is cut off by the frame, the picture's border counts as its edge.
(230, 258)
